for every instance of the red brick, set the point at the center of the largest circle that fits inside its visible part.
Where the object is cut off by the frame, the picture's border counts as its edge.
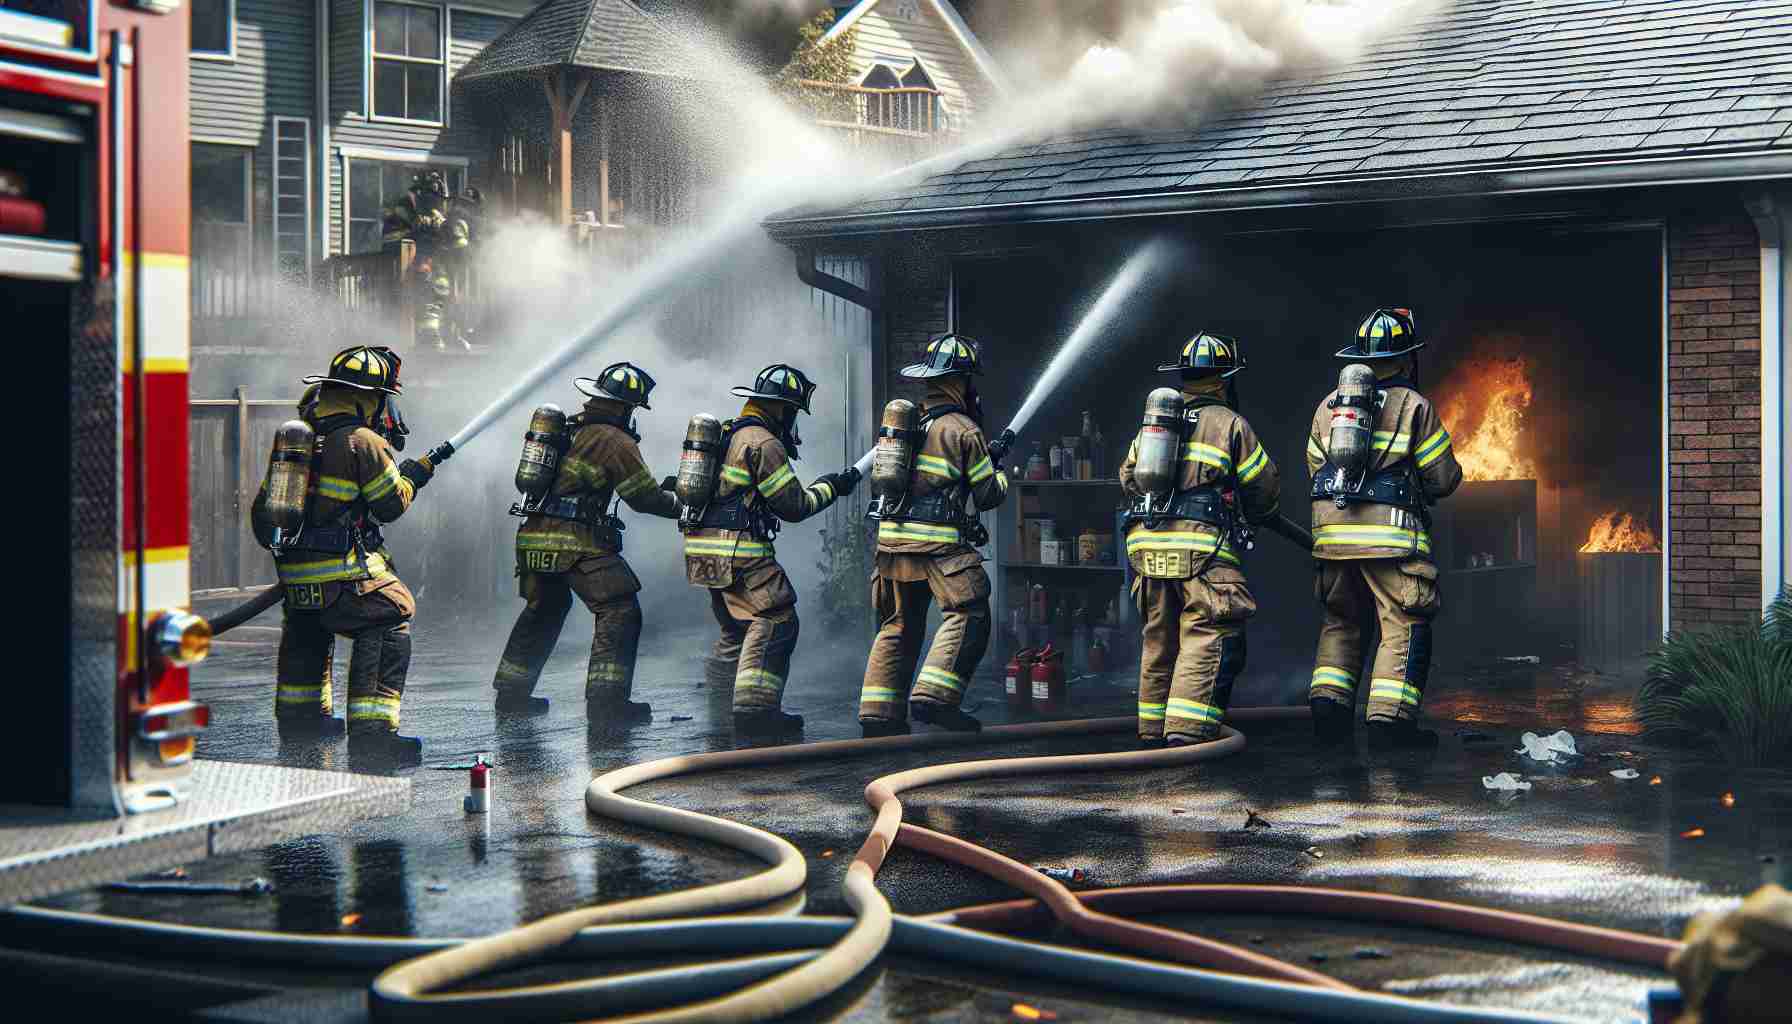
(1736, 550)
(1736, 498)
(1744, 266)
(1709, 441)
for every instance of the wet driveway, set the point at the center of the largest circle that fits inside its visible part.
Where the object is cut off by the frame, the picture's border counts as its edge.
(1581, 844)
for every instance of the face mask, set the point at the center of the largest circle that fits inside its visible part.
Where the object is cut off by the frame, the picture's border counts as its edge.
(792, 437)
(389, 423)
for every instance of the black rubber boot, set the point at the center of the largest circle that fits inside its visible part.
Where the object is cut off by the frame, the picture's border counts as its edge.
(767, 722)
(877, 727)
(1334, 724)
(385, 747)
(1400, 735)
(946, 718)
(1151, 743)
(311, 727)
(618, 712)
(520, 704)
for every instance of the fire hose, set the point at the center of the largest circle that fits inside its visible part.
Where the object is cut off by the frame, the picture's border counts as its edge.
(823, 954)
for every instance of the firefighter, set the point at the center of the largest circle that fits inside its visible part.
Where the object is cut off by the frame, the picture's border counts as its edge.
(1371, 545)
(728, 548)
(1184, 540)
(927, 551)
(337, 578)
(574, 546)
(442, 237)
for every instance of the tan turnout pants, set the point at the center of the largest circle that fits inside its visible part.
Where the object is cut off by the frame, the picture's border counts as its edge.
(757, 616)
(376, 616)
(901, 590)
(607, 586)
(1404, 595)
(1192, 649)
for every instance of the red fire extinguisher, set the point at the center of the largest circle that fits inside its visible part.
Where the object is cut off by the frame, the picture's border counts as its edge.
(1017, 682)
(1051, 693)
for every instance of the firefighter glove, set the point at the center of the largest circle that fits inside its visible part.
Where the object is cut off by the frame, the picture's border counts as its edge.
(998, 449)
(416, 472)
(669, 484)
(841, 483)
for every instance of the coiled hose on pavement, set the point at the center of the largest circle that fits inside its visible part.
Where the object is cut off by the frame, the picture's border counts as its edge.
(820, 955)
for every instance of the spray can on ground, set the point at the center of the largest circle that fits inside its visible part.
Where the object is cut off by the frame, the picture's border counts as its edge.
(1061, 874)
(479, 787)
(1050, 691)
(1018, 681)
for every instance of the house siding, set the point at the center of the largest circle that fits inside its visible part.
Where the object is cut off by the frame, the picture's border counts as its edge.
(881, 37)
(1714, 422)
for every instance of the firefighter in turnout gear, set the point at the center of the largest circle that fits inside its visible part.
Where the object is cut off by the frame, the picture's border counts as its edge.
(927, 551)
(574, 546)
(1188, 528)
(442, 236)
(337, 577)
(1370, 528)
(728, 544)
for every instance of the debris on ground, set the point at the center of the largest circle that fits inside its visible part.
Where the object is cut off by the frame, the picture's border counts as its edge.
(1371, 953)
(180, 886)
(1504, 782)
(1555, 748)
(1471, 736)
(1025, 1012)
(1522, 659)
(825, 854)
(350, 920)
(1178, 810)
(436, 887)
(1728, 799)
(681, 718)
(1626, 773)
(452, 767)
(172, 873)
(1693, 833)
(1254, 820)
(1061, 874)
(1655, 780)
(1314, 852)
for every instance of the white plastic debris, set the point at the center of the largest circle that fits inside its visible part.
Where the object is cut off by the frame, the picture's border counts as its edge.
(1626, 773)
(1552, 749)
(1504, 782)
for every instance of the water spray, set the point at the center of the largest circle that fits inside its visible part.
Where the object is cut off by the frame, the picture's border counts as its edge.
(1132, 274)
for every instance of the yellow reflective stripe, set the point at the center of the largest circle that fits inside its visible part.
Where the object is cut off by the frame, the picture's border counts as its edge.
(1151, 712)
(1370, 536)
(642, 480)
(759, 679)
(1334, 677)
(1181, 708)
(373, 709)
(337, 489)
(347, 567)
(736, 475)
(584, 472)
(933, 465)
(300, 693)
(1208, 455)
(941, 677)
(982, 471)
(1391, 442)
(1314, 450)
(718, 546)
(1252, 466)
(1433, 448)
(879, 695)
(924, 533)
(1201, 543)
(508, 669)
(605, 672)
(777, 481)
(1001, 482)
(820, 493)
(382, 485)
(1393, 689)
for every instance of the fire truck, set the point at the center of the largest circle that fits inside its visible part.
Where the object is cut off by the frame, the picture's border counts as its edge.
(94, 241)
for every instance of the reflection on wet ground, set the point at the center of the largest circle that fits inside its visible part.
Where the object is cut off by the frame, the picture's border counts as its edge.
(1582, 844)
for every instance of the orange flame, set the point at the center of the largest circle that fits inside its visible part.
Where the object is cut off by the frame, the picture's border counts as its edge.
(1617, 531)
(1484, 408)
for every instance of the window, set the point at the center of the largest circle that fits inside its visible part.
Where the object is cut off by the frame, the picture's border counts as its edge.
(220, 184)
(223, 239)
(408, 69)
(371, 184)
(214, 28)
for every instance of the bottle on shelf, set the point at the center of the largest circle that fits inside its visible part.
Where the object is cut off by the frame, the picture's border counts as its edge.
(1037, 466)
(1098, 449)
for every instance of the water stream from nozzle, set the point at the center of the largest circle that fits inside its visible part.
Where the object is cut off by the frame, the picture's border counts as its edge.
(1100, 315)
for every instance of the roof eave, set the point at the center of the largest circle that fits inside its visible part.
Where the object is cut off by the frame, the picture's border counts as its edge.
(1468, 182)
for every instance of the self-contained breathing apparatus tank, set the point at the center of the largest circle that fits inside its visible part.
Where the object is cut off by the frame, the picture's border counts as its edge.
(289, 480)
(1159, 465)
(543, 444)
(1351, 442)
(893, 461)
(699, 466)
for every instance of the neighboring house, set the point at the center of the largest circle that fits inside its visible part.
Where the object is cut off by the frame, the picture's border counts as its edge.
(1602, 190)
(920, 44)
(306, 115)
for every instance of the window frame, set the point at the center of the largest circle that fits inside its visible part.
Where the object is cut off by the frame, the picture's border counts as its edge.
(81, 53)
(369, 13)
(455, 168)
(247, 154)
(226, 55)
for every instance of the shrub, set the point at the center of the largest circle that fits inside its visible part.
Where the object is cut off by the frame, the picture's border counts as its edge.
(1729, 687)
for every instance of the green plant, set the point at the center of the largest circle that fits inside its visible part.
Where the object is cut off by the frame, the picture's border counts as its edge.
(845, 564)
(816, 61)
(1729, 687)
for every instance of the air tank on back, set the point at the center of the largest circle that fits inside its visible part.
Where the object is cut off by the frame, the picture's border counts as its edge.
(289, 477)
(1353, 419)
(542, 445)
(894, 459)
(1159, 465)
(700, 463)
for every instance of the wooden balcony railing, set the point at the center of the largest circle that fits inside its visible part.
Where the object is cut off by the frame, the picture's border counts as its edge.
(912, 111)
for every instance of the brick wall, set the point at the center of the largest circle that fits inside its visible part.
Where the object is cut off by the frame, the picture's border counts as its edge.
(917, 287)
(1714, 421)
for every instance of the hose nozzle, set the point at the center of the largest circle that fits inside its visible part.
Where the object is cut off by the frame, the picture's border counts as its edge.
(998, 449)
(437, 455)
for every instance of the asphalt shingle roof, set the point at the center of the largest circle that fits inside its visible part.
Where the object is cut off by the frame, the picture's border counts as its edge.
(1484, 84)
(601, 35)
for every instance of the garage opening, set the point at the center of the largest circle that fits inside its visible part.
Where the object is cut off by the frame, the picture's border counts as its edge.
(1544, 358)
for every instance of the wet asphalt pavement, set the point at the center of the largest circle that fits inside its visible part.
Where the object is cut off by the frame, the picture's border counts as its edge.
(1581, 845)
